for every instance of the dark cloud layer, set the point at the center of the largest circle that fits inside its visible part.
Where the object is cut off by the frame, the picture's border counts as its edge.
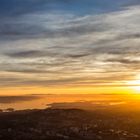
(24, 54)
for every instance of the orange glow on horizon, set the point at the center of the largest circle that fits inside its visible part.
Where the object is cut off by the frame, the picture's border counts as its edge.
(67, 90)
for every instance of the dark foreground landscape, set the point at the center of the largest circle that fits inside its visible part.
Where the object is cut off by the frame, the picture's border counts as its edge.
(69, 124)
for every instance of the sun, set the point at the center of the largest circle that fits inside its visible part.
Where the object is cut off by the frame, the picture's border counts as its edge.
(135, 84)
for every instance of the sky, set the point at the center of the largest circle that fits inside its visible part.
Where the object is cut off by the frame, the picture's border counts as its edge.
(69, 46)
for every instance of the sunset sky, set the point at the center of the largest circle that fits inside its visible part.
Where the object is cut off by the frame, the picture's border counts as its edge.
(69, 46)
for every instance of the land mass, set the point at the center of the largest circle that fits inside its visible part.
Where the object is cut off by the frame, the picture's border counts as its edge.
(69, 124)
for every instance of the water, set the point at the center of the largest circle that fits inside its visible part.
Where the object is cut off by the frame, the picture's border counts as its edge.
(44, 101)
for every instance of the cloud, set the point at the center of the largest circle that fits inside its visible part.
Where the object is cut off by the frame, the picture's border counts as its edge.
(20, 20)
(53, 49)
(24, 54)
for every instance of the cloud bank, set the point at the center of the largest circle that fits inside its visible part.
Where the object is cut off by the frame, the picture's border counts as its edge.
(68, 47)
